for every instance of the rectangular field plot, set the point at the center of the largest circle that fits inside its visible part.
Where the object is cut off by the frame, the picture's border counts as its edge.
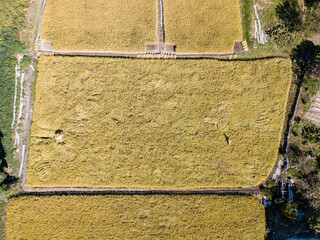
(135, 217)
(147, 123)
(207, 26)
(113, 25)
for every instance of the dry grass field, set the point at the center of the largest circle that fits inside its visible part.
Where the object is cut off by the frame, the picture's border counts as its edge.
(206, 26)
(135, 217)
(150, 123)
(113, 25)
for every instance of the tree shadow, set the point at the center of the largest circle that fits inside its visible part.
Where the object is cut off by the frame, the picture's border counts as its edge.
(289, 12)
(311, 3)
(4, 164)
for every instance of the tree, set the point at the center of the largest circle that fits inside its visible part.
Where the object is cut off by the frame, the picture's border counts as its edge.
(290, 210)
(310, 3)
(290, 13)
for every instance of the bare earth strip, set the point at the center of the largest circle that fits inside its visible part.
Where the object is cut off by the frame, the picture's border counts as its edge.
(135, 217)
(156, 123)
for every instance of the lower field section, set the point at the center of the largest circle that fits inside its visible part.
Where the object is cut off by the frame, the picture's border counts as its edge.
(113, 25)
(143, 123)
(206, 26)
(135, 217)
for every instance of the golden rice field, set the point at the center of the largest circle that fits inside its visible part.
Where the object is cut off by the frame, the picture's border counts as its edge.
(113, 25)
(149, 123)
(206, 26)
(135, 217)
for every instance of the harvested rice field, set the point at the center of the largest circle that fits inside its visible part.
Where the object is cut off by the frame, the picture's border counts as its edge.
(113, 25)
(206, 26)
(135, 217)
(155, 123)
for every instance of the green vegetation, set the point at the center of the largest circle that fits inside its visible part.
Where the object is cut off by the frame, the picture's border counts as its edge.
(304, 145)
(11, 22)
(246, 7)
(10, 46)
(135, 217)
(288, 23)
(11, 13)
(290, 14)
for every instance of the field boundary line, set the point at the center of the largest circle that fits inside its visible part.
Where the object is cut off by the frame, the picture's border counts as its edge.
(143, 55)
(131, 54)
(134, 191)
(41, 13)
(289, 121)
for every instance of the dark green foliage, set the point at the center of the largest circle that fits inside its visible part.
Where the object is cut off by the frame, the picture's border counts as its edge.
(289, 210)
(312, 84)
(26, 61)
(313, 220)
(302, 56)
(311, 133)
(314, 66)
(311, 25)
(311, 3)
(304, 150)
(290, 14)
(270, 191)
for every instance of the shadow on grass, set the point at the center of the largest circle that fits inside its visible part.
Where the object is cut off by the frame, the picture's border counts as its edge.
(4, 164)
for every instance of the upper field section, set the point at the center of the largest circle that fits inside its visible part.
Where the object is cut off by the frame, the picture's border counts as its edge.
(138, 123)
(166, 26)
(113, 25)
(206, 26)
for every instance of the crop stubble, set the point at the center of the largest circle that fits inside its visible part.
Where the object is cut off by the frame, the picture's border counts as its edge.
(135, 217)
(113, 25)
(156, 123)
(202, 26)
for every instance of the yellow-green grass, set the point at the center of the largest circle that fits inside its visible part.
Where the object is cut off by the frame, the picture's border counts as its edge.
(206, 26)
(113, 25)
(135, 217)
(150, 123)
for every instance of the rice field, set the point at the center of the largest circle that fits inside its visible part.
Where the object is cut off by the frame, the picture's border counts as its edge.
(206, 26)
(148, 123)
(135, 217)
(113, 25)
